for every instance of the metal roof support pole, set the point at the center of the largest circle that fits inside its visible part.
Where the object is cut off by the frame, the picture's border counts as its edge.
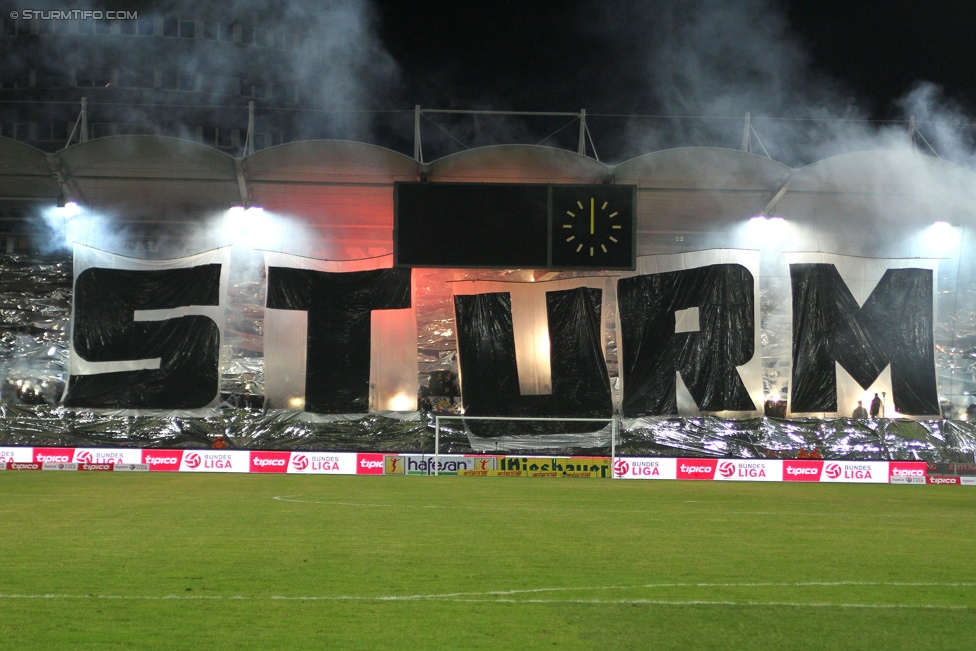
(911, 130)
(746, 133)
(249, 141)
(418, 153)
(242, 183)
(582, 138)
(83, 136)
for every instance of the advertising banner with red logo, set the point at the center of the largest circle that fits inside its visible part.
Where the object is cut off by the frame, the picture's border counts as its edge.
(21, 465)
(369, 464)
(216, 461)
(16, 455)
(749, 470)
(323, 463)
(801, 470)
(53, 455)
(107, 455)
(268, 461)
(858, 472)
(907, 469)
(696, 468)
(162, 460)
(943, 479)
(645, 468)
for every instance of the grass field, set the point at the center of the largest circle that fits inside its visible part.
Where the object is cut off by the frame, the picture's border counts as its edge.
(127, 560)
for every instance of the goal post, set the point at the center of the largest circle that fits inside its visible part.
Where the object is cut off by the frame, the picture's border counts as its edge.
(520, 439)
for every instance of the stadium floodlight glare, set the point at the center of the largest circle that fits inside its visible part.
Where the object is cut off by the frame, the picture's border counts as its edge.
(402, 402)
(252, 227)
(69, 209)
(940, 239)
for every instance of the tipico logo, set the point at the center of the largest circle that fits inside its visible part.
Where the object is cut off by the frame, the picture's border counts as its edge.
(299, 462)
(832, 470)
(192, 460)
(621, 467)
(726, 468)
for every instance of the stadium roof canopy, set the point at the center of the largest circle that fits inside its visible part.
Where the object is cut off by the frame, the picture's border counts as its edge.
(697, 194)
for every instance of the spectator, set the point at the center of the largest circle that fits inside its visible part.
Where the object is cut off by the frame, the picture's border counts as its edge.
(875, 406)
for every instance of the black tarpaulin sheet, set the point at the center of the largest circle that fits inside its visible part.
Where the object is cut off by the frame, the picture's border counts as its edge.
(104, 330)
(895, 326)
(489, 372)
(338, 337)
(707, 359)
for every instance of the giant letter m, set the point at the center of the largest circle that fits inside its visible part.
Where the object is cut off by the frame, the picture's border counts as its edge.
(893, 327)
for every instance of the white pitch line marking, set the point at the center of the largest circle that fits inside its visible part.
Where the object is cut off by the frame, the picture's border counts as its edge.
(503, 600)
(501, 595)
(753, 604)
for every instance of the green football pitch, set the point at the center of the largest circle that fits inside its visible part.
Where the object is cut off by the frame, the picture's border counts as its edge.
(113, 560)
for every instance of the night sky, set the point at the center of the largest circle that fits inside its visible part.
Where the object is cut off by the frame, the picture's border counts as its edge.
(560, 55)
(797, 58)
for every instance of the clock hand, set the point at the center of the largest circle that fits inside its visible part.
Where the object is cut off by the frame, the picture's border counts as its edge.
(592, 230)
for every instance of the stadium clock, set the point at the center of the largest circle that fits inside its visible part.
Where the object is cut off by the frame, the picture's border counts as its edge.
(592, 226)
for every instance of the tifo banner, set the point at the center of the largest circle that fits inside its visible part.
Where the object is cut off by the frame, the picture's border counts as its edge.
(340, 337)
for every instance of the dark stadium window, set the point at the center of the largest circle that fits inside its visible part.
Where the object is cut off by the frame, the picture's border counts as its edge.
(21, 131)
(187, 81)
(250, 88)
(51, 79)
(103, 129)
(262, 140)
(135, 78)
(168, 80)
(171, 27)
(208, 135)
(44, 26)
(145, 27)
(211, 30)
(188, 29)
(283, 92)
(224, 138)
(59, 130)
(62, 27)
(227, 32)
(15, 79)
(139, 129)
(23, 27)
(261, 37)
(9, 27)
(128, 27)
(86, 26)
(247, 34)
(103, 27)
(93, 77)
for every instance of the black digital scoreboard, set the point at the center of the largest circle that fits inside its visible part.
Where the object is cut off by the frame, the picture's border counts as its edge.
(514, 225)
